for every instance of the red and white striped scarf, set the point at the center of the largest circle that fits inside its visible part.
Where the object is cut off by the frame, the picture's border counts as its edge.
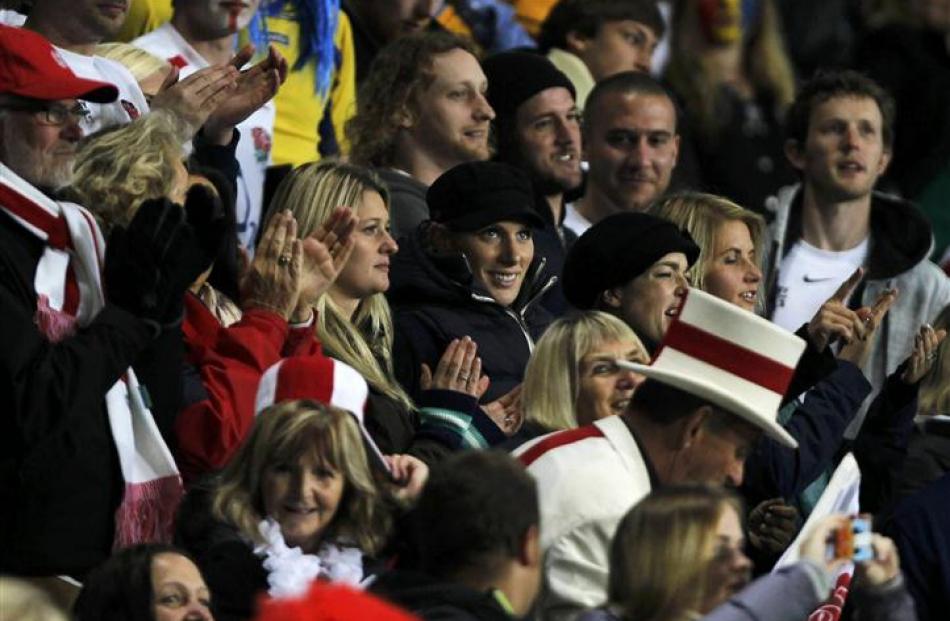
(69, 295)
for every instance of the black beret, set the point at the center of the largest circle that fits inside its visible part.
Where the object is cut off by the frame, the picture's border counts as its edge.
(618, 249)
(473, 195)
(515, 77)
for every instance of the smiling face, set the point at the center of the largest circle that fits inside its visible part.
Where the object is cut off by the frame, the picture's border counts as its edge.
(179, 592)
(604, 389)
(499, 256)
(729, 569)
(632, 147)
(844, 152)
(618, 46)
(216, 18)
(41, 153)
(548, 133)
(303, 497)
(732, 272)
(649, 302)
(451, 119)
(367, 270)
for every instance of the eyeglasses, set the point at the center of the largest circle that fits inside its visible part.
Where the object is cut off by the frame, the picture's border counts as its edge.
(56, 114)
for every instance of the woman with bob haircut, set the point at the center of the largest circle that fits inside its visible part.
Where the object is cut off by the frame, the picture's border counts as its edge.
(572, 379)
(354, 322)
(297, 502)
(677, 555)
(146, 582)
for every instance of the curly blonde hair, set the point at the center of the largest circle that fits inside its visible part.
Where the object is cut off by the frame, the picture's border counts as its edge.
(398, 76)
(116, 170)
(285, 432)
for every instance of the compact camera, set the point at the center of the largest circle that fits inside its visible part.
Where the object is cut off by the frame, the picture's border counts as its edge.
(854, 540)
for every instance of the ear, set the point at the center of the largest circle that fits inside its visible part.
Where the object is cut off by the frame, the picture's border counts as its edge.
(611, 298)
(576, 42)
(885, 161)
(405, 119)
(692, 427)
(794, 154)
(530, 553)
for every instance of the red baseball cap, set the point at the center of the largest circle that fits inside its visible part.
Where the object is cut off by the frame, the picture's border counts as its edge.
(31, 67)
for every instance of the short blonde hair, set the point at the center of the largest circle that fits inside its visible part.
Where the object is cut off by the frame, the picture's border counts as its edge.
(701, 215)
(311, 192)
(552, 378)
(661, 552)
(934, 396)
(118, 169)
(140, 63)
(285, 432)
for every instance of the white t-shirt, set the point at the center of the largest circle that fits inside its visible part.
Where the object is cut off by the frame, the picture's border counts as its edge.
(257, 132)
(129, 106)
(574, 221)
(808, 276)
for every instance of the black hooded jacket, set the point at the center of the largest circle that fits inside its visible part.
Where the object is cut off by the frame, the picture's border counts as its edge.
(436, 300)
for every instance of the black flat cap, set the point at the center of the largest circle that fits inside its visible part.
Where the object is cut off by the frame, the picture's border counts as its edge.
(473, 195)
(618, 249)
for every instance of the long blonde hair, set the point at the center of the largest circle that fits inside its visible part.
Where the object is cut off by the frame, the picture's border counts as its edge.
(661, 552)
(934, 394)
(285, 432)
(552, 378)
(701, 215)
(140, 63)
(311, 192)
(118, 169)
(765, 61)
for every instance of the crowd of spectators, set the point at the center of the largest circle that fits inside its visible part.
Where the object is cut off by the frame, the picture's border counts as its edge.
(598, 310)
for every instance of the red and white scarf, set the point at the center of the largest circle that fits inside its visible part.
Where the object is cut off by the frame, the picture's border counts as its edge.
(69, 295)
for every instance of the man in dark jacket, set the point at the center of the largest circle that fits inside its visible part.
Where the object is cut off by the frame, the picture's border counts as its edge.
(538, 129)
(71, 482)
(475, 530)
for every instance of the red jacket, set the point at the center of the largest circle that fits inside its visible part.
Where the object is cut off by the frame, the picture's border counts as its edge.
(229, 363)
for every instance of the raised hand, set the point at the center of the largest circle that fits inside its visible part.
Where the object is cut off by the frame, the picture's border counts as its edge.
(834, 320)
(272, 280)
(926, 344)
(325, 253)
(858, 350)
(772, 525)
(459, 369)
(409, 476)
(506, 411)
(194, 98)
(254, 87)
(885, 565)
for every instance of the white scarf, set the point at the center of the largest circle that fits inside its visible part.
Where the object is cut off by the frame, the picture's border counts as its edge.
(290, 571)
(69, 295)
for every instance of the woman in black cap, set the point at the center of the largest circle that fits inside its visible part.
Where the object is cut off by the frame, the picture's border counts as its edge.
(471, 271)
(631, 265)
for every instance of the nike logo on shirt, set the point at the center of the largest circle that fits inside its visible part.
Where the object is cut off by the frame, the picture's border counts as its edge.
(807, 278)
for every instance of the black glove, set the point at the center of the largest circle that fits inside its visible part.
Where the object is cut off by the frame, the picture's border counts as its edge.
(205, 213)
(151, 264)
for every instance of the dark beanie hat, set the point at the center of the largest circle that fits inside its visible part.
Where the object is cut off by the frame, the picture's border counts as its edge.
(515, 77)
(618, 249)
(475, 194)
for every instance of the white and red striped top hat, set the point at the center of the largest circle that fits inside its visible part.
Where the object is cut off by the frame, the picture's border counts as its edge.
(735, 359)
(322, 379)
